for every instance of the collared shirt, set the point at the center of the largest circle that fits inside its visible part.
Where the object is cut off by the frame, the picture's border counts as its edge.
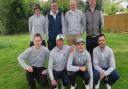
(58, 59)
(103, 58)
(54, 15)
(35, 57)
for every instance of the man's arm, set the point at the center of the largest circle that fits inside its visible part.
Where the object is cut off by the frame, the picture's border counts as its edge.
(70, 67)
(102, 21)
(46, 26)
(30, 25)
(50, 67)
(82, 23)
(66, 24)
(89, 68)
(112, 64)
(63, 24)
(22, 57)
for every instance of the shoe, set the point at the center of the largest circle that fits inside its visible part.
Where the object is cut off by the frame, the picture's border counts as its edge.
(87, 87)
(97, 86)
(73, 87)
(108, 86)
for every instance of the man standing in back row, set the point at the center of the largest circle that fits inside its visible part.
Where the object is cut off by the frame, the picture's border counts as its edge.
(55, 24)
(37, 25)
(73, 23)
(94, 23)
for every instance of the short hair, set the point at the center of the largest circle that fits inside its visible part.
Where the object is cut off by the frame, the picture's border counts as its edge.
(101, 36)
(53, 1)
(36, 6)
(37, 35)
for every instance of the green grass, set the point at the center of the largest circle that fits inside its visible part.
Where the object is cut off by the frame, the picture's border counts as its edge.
(12, 76)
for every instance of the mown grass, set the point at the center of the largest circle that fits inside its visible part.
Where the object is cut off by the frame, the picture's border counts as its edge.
(12, 76)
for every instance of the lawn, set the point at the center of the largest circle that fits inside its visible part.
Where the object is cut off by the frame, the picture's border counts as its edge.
(12, 76)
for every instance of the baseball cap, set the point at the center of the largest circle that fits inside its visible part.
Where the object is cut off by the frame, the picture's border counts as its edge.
(79, 40)
(59, 36)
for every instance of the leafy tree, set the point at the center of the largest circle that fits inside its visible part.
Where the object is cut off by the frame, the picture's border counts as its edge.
(110, 7)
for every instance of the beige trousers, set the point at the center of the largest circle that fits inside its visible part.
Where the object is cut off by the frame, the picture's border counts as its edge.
(72, 38)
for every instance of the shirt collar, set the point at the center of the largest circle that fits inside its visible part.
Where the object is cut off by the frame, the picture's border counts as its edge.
(72, 12)
(92, 9)
(37, 15)
(51, 13)
(58, 50)
(83, 53)
(37, 49)
(102, 49)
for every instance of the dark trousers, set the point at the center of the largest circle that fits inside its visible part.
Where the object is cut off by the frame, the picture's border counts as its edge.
(43, 43)
(91, 43)
(110, 79)
(51, 44)
(85, 76)
(63, 75)
(36, 75)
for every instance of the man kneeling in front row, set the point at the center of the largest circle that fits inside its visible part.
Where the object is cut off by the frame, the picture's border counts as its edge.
(79, 64)
(104, 64)
(36, 56)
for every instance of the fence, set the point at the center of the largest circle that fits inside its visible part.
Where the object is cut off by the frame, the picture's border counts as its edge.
(116, 23)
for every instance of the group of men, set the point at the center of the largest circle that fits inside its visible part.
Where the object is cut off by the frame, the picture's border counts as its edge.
(65, 62)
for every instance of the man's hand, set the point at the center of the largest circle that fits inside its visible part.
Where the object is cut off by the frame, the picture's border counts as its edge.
(29, 69)
(90, 88)
(72, 49)
(44, 72)
(53, 82)
(83, 68)
(102, 75)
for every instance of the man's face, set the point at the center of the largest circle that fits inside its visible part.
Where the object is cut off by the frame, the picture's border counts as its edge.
(37, 11)
(54, 7)
(73, 6)
(60, 43)
(80, 47)
(92, 3)
(37, 41)
(101, 41)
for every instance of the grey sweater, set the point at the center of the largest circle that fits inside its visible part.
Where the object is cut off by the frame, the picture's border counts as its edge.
(37, 24)
(94, 22)
(74, 22)
(35, 57)
(77, 59)
(58, 60)
(103, 58)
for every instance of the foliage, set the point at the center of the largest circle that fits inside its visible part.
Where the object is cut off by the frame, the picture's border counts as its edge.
(14, 16)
